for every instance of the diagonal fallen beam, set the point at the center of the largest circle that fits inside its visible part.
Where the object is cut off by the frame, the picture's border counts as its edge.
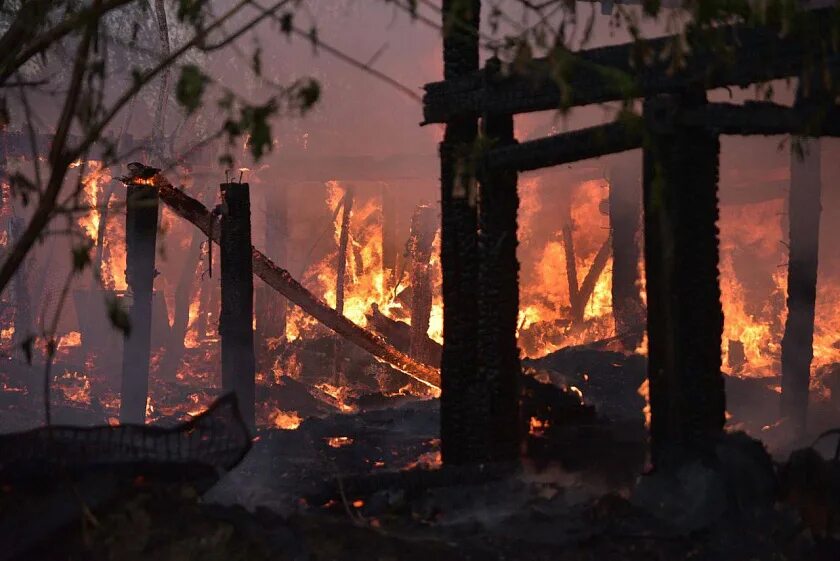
(280, 280)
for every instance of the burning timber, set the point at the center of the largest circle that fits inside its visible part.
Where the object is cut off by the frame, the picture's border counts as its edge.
(280, 279)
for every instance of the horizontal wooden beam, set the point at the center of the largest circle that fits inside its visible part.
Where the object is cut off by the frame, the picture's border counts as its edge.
(628, 71)
(565, 148)
(749, 119)
(764, 118)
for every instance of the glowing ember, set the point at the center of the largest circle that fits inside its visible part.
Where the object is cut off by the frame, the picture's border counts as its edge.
(71, 339)
(339, 394)
(537, 427)
(74, 387)
(644, 391)
(426, 460)
(339, 441)
(7, 334)
(285, 420)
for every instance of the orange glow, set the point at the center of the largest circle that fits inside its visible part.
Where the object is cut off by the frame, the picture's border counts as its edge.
(339, 441)
(537, 427)
(286, 420)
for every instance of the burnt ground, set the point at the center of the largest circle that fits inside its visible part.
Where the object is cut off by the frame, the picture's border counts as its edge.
(369, 485)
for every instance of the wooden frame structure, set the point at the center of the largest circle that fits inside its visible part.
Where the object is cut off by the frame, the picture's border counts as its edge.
(679, 134)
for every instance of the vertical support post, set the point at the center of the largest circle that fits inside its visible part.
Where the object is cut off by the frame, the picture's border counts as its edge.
(577, 308)
(685, 318)
(804, 220)
(141, 223)
(459, 219)
(625, 202)
(389, 236)
(237, 313)
(423, 228)
(496, 415)
(20, 286)
(344, 238)
(271, 306)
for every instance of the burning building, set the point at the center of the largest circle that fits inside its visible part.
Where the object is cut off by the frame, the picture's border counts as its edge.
(633, 293)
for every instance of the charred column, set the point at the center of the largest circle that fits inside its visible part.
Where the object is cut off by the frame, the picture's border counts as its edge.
(685, 319)
(271, 306)
(804, 219)
(575, 305)
(141, 222)
(236, 317)
(184, 291)
(625, 202)
(389, 235)
(459, 379)
(496, 402)
(20, 287)
(343, 239)
(423, 228)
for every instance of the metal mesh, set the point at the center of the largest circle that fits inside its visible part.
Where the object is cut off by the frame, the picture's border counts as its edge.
(217, 438)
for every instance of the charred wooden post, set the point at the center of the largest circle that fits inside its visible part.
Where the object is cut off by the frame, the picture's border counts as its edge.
(343, 239)
(141, 223)
(458, 243)
(104, 200)
(804, 220)
(685, 319)
(277, 233)
(423, 228)
(495, 413)
(237, 313)
(183, 296)
(567, 230)
(271, 307)
(389, 235)
(20, 287)
(625, 203)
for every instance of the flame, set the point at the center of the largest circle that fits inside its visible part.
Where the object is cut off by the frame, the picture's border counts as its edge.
(537, 427)
(6, 334)
(113, 252)
(74, 387)
(545, 322)
(286, 420)
(71, 339)
(339, 441)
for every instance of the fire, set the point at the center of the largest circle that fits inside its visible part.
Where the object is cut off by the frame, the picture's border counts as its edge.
(7, 333)
(71, 339)
(644, 391)
(339, 441)
(537, 427)
(545, 320)
(95, 192)
(74, 387)
(286, 420)
(339, 395)
(428, 460)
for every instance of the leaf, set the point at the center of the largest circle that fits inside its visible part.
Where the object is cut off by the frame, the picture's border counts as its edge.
(190, 88)
(26, 347)
(4, 112)
(307, 95)
(191, 11)
(81, 257)
(226, 161)
(256, 61)
(287, 23)
(255, 122)
(118, 316)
